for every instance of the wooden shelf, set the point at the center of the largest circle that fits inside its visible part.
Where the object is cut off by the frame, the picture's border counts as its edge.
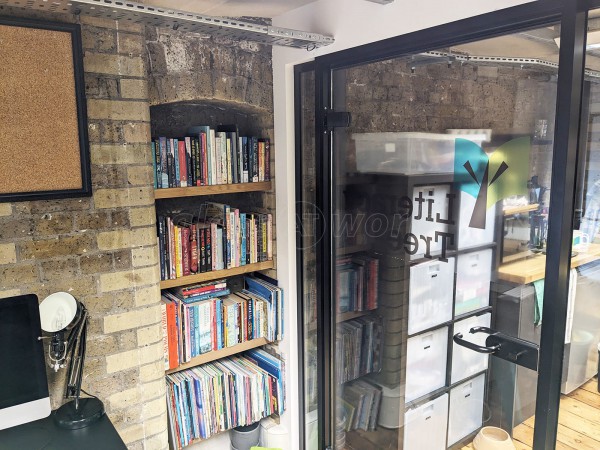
(218, 354)
(510, 210)
(215, 275)
(195, 191)
(352, 249)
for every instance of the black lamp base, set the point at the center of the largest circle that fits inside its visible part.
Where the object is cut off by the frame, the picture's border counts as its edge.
(90, 411)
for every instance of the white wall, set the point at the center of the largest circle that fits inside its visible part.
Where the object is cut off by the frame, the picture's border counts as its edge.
(351, 23)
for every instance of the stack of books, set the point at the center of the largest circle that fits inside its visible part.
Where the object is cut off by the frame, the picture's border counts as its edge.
(358, 348)
(205, 317)
(218, 237)
(361, 401)
(357, 283)
(224, 394)
(210, 157)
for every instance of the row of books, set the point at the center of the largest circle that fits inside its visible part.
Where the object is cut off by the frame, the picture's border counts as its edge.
(357, 283)
(358, 350)
(361, 401)
(206, 317)
(210, 157)
(224, 394)
(219, 237)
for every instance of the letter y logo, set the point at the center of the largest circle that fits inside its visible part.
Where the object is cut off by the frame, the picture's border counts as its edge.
(492, 178)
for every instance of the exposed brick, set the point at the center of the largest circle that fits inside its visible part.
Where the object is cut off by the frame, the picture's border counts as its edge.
(93, 220)
(122, 259)
(99, 39)
(116, 198)
(8, 253)
(5, 209)
(12, 227)
(127, 279)
(142, 216)
(127, 340)
(132, 319)
(149, 335)
(54, 223)
(153, 408)
(132, 434)
(152, 390)
(96, 263)
(79, 287)
(50, 206)
(118, 110)
(140, 175)
(13, 292)
(144, 256)
(136, 132)
(125, 398)
(131, 88)
(17, 275)
(134, 358)
(120, 218)
(158, 442)
(121, 154)
(101, 345)
(147, 296)
(66, 268)
(151, 372)
(123, 238)
(113, 64)
(131, 44)
(61, 246)
(101, 87)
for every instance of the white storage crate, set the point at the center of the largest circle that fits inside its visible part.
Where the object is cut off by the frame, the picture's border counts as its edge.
(471, 237)
(466, 409)
(407, 153)
(426, 357)
(423, 227)
(473, 276)
(425, 427)
(430, 294)
(466, 362)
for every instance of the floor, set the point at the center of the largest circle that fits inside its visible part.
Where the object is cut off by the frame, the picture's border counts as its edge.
(578, 422)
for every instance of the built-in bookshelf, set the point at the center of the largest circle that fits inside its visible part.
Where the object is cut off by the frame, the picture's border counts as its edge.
(189, 172)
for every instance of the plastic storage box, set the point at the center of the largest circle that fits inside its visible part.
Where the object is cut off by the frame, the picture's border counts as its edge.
(471, 237)
(430, 294)
(425, 426)
(473, 276)
(466, 409)
(466, 362)
(426, 357)
(406, 153)
(427, 228)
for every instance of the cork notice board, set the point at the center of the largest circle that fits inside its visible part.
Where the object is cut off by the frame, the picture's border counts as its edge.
(43, 127)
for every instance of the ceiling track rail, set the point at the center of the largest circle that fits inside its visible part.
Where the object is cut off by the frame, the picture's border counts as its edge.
(523, 62)
(178, 20)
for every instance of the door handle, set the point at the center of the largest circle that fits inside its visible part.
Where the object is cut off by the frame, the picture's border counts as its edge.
(458, 338)
(515, 350)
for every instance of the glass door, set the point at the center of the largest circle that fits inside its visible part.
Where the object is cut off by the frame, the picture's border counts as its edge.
(440, 203)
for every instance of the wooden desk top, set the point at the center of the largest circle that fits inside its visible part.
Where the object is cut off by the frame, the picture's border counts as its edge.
(532, 268)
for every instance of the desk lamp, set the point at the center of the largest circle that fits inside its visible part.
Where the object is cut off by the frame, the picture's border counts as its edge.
(66, 319)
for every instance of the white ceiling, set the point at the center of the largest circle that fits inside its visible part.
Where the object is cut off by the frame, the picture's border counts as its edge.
(231, 8)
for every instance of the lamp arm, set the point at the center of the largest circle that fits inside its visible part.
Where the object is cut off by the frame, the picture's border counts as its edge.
(77, 346)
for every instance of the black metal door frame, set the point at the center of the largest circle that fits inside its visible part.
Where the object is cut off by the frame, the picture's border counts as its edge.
(572, 16)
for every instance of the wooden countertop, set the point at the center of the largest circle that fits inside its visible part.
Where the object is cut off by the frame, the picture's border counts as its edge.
(533, 267)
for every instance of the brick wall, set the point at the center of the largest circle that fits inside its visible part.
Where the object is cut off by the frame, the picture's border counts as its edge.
(103, 249)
